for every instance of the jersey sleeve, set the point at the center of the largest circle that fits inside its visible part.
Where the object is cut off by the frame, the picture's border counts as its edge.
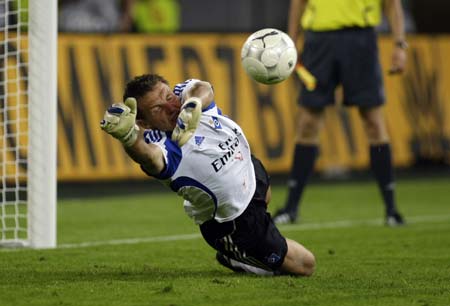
(181, 88)
(171, 152)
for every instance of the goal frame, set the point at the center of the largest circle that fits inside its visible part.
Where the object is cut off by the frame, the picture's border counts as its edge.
(42, 156)
(36, 189)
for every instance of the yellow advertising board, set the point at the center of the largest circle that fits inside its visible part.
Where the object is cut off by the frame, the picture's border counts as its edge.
(13, 110)
(93, 69)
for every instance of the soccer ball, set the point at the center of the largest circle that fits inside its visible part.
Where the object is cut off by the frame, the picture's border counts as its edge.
(269, 56)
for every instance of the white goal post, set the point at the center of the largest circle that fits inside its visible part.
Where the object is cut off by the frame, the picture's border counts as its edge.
(28, 123)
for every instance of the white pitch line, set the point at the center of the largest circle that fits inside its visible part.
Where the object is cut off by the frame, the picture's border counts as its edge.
(285, 228)
(129, 241)
(354, 223)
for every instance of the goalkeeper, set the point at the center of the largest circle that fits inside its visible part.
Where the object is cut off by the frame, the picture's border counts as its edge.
(181, 138)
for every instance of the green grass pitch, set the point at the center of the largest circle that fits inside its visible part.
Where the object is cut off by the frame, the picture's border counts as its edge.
(142, 250)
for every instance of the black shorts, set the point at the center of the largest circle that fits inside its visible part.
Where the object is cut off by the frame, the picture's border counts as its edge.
(348, 57)
(251, 238)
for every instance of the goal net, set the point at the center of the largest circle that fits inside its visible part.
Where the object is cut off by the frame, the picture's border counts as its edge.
(28, 123)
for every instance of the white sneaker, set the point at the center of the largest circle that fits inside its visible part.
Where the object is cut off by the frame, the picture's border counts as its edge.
(284, 218)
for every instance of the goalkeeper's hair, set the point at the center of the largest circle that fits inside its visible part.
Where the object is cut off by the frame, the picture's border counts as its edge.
(141, 85)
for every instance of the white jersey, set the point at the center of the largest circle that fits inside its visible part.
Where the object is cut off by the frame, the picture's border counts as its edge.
(213, 171)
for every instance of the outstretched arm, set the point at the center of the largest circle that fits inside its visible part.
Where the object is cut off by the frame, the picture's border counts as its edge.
(148, 155)
(120, 122)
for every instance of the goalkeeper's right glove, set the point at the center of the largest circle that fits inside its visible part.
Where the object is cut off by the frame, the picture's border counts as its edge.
(120, 122)
(187, 120)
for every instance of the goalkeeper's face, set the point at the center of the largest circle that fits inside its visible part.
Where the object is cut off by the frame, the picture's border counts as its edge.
(159, 108)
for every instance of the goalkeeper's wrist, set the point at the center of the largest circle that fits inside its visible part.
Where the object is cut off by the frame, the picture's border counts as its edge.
(131, 137)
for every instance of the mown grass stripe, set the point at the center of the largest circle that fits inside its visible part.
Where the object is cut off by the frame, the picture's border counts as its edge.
(285, 228)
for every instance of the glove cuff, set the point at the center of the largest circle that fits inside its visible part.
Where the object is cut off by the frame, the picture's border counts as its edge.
(130, 138)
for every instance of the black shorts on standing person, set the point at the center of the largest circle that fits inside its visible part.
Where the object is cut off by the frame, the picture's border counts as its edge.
(348, 57)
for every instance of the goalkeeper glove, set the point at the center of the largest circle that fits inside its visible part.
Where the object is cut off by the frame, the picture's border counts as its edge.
(187, 120)
(120, 122)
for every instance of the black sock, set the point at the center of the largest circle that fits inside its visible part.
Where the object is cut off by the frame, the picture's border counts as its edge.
(303, 165)
(381, 165)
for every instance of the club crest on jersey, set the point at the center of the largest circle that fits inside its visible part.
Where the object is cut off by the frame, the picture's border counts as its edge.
(199, 140)
(215, 123)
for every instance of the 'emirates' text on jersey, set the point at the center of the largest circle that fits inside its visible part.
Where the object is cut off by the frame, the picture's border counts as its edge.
(213, 171)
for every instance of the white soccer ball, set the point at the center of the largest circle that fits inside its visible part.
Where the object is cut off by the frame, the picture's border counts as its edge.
(269, 56)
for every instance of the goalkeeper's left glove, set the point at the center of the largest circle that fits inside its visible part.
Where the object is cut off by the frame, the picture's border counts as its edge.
(120, 121)
(187, 120)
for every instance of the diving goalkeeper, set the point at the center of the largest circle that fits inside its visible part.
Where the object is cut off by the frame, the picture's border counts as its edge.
(180, 137)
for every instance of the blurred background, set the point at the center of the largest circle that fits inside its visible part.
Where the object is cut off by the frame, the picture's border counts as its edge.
(102, 44)
(155, 16)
